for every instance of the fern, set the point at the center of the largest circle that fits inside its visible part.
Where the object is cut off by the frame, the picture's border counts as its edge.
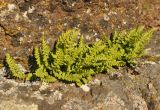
(129, 46)
(45, 52)
(15, 72)
(73, 60)
(69, 57)
(42, 54)
(37, 56)
(43, 65)
(43, 75)
(29, 76)
(42, 59)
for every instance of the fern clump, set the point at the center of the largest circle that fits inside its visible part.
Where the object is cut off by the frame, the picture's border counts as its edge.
(73, 60)
(69, 58)
(130, 45)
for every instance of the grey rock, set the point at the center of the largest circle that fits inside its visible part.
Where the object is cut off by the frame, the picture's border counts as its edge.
(130, 92)
(11, 105)
(22, 23)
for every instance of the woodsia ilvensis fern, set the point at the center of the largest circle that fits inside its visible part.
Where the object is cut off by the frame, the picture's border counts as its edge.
(73, 60)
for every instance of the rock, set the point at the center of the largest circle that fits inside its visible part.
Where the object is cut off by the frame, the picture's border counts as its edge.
(150, 62)
(85, 88)
(105, 17)
(115, 75)
(30, 10)
(24, 6)
(113, 102)
(56, 96)
(2, 71)
(12, 105)
(75, 104)
(21, 68)
(52, 5)
(96, 82)
(120, 94)
(43, 86)
(139, 103)
(103, 23)
(23, 22)
(11, 7)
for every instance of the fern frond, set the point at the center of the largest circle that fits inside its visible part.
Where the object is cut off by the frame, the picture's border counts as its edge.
(37, 56)
(29, 76)
(43, 75)
(45, 51)
(15, 72)
(49, 79)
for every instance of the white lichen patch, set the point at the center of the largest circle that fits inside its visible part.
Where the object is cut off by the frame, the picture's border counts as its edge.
(11, 7)
(31, 9)
(8, 92)
(17, 17)
(96, 82)
(85, 88)
(21, 68)
(76, 104)
(57, 95)
(43, 86)
(113, 102)
(150, 62)
(37, 95)
(106, 17)
(139, 103)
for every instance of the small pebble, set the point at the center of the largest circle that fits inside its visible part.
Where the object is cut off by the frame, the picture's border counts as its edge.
(88, 11)
(85, 88)
(30, 10)
(105, 17)
(150, 62)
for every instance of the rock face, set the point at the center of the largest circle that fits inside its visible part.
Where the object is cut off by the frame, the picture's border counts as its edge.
(127, 92)
(23, 22)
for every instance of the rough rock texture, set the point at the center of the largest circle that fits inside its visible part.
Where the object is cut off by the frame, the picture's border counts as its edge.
(23, 22)
(127, 92)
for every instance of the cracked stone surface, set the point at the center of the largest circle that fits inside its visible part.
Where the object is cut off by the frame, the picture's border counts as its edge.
(23, 22)
(130, 92)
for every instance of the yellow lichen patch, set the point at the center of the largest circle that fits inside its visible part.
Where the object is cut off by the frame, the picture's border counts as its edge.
(153, 58)
(12, 32)
(1, 65)
(3, 4)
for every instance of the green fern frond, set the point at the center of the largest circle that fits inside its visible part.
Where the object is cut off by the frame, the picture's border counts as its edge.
(29, 76)
(15, 72)
(49, 79)
(43, 75)
(37, 56)
(45, 52)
